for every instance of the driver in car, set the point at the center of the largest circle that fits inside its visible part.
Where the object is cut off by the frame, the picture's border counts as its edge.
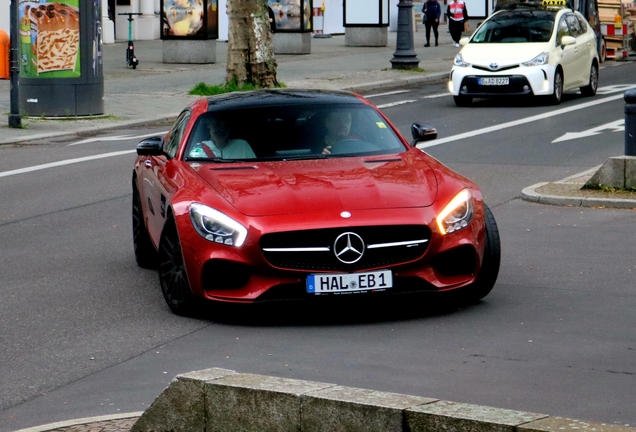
(338, 126)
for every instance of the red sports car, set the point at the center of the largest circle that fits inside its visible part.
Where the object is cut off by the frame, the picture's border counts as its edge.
(294, 194)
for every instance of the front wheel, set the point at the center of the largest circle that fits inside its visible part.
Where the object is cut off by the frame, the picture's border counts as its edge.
(490, 264)
(590, 89)
(557, 94)
(172, 273)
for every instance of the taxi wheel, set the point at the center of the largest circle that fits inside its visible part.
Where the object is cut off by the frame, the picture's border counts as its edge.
(463, 101)
(490, 265)
(603, 53)
(557, 94)
(145, 252)
(172, 273)
(590, 89)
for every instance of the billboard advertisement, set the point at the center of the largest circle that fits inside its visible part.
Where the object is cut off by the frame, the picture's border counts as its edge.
(189, 19)
(49, 39)
(290, 15)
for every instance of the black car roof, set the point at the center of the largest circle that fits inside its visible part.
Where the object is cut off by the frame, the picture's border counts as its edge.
(278, 97)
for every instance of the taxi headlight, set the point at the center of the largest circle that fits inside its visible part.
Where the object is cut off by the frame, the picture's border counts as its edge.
(216, 227)
(457, 214)
(539, 60)
(459, 61)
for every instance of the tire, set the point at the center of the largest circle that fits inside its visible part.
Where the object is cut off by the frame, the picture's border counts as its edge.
(603, 54)
(145, 252)
(557, 94)
(463, 101)
(490, 265)
(172, 273)
(590, 89)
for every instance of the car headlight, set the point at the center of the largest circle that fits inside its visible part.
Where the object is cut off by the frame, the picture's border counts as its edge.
(457, 214)
(539, 60)
(216, 227)
(459, 61)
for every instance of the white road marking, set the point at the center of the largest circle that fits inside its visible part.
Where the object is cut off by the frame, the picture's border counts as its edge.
(531, 119)
(64, 162)
(614, 88)
(392, 104)
(116, 138)
(436, 96)
(387, 93)
(615, 126)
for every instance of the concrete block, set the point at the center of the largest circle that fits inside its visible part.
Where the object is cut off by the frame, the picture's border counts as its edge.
(181, 406)
(256, 403)
(343, 409)
(189, 51)
(444, 416)
(292, 43)
(613, 173)
(630, 172)
(561, 424)
(366, 36)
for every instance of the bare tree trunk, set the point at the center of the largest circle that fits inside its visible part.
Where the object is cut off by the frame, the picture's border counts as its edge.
(250, 54)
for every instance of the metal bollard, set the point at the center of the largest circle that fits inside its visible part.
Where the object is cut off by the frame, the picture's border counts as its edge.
(630, 122)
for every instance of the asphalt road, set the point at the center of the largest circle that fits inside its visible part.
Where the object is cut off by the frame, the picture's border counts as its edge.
(85, 332)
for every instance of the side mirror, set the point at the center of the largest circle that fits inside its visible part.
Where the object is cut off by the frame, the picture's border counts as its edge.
(150, 147)
(422, 132)
(567, 40)
(463, 41)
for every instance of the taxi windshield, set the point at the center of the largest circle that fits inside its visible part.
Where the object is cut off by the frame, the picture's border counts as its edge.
(516, 27)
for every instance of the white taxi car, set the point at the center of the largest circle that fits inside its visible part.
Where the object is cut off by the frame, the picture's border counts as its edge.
(527, 49)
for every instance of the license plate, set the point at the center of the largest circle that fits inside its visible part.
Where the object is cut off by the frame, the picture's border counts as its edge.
(493, 81)
(349, 282)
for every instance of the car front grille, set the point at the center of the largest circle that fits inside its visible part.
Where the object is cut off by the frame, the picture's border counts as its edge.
(315, 250)
(515, 86)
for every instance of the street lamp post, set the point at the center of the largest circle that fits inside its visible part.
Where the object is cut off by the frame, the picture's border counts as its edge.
(404, 56)
(15, 120)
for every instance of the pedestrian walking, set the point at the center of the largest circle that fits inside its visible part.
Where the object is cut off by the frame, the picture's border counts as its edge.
(457, 15)
(432, 12)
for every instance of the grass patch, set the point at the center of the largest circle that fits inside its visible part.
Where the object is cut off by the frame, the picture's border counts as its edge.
(203, 89)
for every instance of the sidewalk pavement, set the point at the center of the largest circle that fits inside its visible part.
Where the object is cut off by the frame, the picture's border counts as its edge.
(157, 92)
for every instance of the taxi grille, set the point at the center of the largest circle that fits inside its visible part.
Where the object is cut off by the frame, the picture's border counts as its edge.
(516, 86)
(313, 250)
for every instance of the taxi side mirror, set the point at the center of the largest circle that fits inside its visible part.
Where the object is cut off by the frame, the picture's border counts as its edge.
(463, 41)
(567, 40)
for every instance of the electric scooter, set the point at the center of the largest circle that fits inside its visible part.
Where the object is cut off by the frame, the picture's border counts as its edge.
(131, 59)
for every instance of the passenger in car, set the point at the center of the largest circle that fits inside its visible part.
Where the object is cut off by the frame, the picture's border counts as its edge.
(220, 146)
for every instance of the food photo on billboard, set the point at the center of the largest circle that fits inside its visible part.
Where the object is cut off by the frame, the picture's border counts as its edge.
(49, 39)
(189, 19)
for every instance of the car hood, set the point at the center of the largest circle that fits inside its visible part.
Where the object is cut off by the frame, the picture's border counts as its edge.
(324, 185)
(501, 53)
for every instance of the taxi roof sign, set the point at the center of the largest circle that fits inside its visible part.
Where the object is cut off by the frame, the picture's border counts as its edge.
(543, 4)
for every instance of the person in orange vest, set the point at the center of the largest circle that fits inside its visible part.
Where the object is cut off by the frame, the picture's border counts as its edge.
(457, 14)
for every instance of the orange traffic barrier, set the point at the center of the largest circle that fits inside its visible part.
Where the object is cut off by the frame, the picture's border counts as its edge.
(5, 44)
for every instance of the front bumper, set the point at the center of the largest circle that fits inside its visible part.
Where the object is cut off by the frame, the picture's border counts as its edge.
(523, 80)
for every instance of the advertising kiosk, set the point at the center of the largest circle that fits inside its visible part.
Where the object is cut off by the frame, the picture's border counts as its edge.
(291, 22)
(366, 22)
(189, 30)
(61, 69)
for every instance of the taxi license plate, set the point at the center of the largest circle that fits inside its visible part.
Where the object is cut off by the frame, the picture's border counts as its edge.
(349, 282)
(493, 81)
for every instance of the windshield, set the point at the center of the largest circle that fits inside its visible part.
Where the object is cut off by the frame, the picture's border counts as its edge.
(290, 132)
(516, 27)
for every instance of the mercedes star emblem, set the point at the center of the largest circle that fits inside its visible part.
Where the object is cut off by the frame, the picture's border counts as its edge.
(349, 247)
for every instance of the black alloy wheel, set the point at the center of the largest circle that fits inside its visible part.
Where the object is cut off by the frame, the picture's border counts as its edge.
(145, 252)
(172, 273)
(590, 89)
(490, 265)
